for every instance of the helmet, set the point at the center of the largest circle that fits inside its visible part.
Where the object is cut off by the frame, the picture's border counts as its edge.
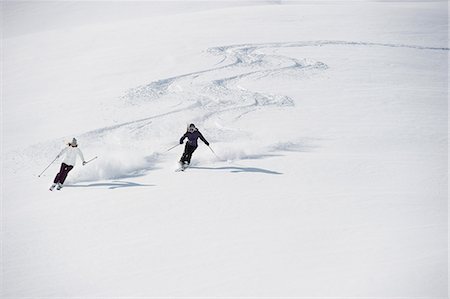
(74, 142)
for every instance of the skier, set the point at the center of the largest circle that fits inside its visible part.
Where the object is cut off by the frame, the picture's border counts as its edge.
(71, 151)
(192, 134)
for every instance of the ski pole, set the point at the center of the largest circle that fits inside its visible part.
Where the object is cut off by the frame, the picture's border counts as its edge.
(214, 153)
(173, 147)
(91, 160)
(47, 167)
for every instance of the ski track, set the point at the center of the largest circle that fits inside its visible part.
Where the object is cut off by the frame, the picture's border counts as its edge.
(246, 62)
(208, 95)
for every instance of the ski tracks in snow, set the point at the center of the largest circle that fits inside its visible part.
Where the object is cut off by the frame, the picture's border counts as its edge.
(219, 90)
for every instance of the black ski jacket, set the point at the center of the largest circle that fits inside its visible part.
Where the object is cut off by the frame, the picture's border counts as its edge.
(192, 138)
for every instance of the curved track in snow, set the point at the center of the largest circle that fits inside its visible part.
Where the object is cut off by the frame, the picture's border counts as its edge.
(218, 89)
(245, 60)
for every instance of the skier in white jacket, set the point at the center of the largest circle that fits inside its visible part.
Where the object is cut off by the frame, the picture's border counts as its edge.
(71, 152)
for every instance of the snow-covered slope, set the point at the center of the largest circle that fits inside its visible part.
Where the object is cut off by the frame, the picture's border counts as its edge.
(328, 122)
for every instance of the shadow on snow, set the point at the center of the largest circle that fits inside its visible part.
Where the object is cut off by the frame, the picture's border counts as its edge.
(236, 169)
(111, 185)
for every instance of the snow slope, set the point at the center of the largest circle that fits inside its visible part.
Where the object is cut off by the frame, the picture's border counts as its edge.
(328, 121)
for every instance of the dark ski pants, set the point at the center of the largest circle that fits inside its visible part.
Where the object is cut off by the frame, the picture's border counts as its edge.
(188, 151)
(62, 174)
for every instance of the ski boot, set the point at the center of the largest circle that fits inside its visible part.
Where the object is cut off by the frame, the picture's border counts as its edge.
(52, 187)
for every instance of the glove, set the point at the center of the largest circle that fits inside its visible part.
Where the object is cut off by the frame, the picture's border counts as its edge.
(181, 141)
(207, 143)
(84, 163)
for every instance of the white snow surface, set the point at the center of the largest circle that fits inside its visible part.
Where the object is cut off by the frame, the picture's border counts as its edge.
(328, 122)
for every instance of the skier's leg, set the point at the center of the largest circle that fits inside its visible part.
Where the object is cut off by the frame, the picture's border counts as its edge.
(65, 173)
(189, 155)
(58, 175)
(183, 157)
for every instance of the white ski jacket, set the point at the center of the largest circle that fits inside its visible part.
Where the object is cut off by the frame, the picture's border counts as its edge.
(71, 155)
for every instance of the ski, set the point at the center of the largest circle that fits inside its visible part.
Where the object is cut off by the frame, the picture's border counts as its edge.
(182, 167)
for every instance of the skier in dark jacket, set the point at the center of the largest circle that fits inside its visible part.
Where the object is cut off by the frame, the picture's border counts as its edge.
(192, 134)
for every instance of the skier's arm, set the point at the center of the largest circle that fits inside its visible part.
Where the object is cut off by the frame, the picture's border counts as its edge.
(182, 138)
(203, 138)
(81, 155)
(61, 152)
